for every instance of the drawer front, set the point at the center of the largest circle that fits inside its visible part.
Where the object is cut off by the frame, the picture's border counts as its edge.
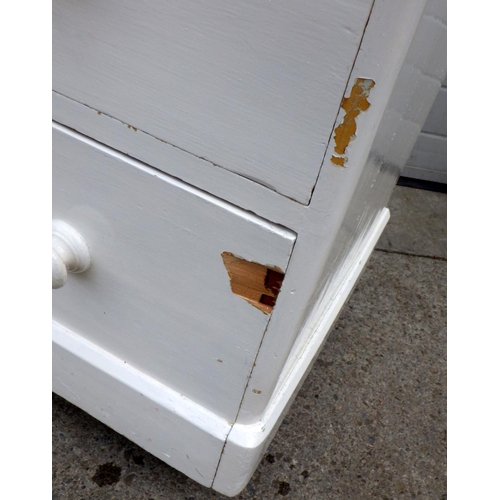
(252, 87)
(169, 269)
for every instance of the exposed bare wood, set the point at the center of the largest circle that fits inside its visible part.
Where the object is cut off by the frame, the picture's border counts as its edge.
(256, 283)
(353, 106)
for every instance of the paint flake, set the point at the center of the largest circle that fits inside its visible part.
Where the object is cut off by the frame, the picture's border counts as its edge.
(353, 105)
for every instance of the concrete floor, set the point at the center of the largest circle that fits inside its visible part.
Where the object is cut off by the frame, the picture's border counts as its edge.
(370, 420)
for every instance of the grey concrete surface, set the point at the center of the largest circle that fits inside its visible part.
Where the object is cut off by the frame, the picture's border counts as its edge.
(417, 224)
(369, 421)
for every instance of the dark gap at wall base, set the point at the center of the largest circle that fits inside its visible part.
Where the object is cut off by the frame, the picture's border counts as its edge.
(438, 187)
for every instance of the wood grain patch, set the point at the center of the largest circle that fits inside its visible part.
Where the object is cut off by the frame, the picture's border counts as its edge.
(353, 106)
(257, 284)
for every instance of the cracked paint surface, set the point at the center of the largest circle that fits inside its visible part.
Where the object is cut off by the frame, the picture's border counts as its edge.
(353, 105)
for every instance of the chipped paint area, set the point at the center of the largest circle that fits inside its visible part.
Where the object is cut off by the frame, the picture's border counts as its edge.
(336, 160)
(353, 105)
(257, 284)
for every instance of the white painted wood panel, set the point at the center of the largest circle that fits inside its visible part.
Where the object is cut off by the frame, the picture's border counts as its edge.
(157, 294)
(253, 87)
(160, 420)
(346, 200)
(246, 444)
(180, 164)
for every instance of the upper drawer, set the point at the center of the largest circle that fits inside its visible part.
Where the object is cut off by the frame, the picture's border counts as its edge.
(170, 265)
(251, 86)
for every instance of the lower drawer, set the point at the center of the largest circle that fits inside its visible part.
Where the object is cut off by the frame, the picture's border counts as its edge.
(178, 283)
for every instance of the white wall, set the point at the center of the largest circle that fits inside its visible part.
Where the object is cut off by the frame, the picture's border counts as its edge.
(428, 158)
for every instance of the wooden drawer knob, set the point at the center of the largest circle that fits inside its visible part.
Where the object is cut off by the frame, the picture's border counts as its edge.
(69, 253)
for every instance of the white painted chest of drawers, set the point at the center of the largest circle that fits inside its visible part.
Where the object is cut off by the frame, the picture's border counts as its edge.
(228, 165)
